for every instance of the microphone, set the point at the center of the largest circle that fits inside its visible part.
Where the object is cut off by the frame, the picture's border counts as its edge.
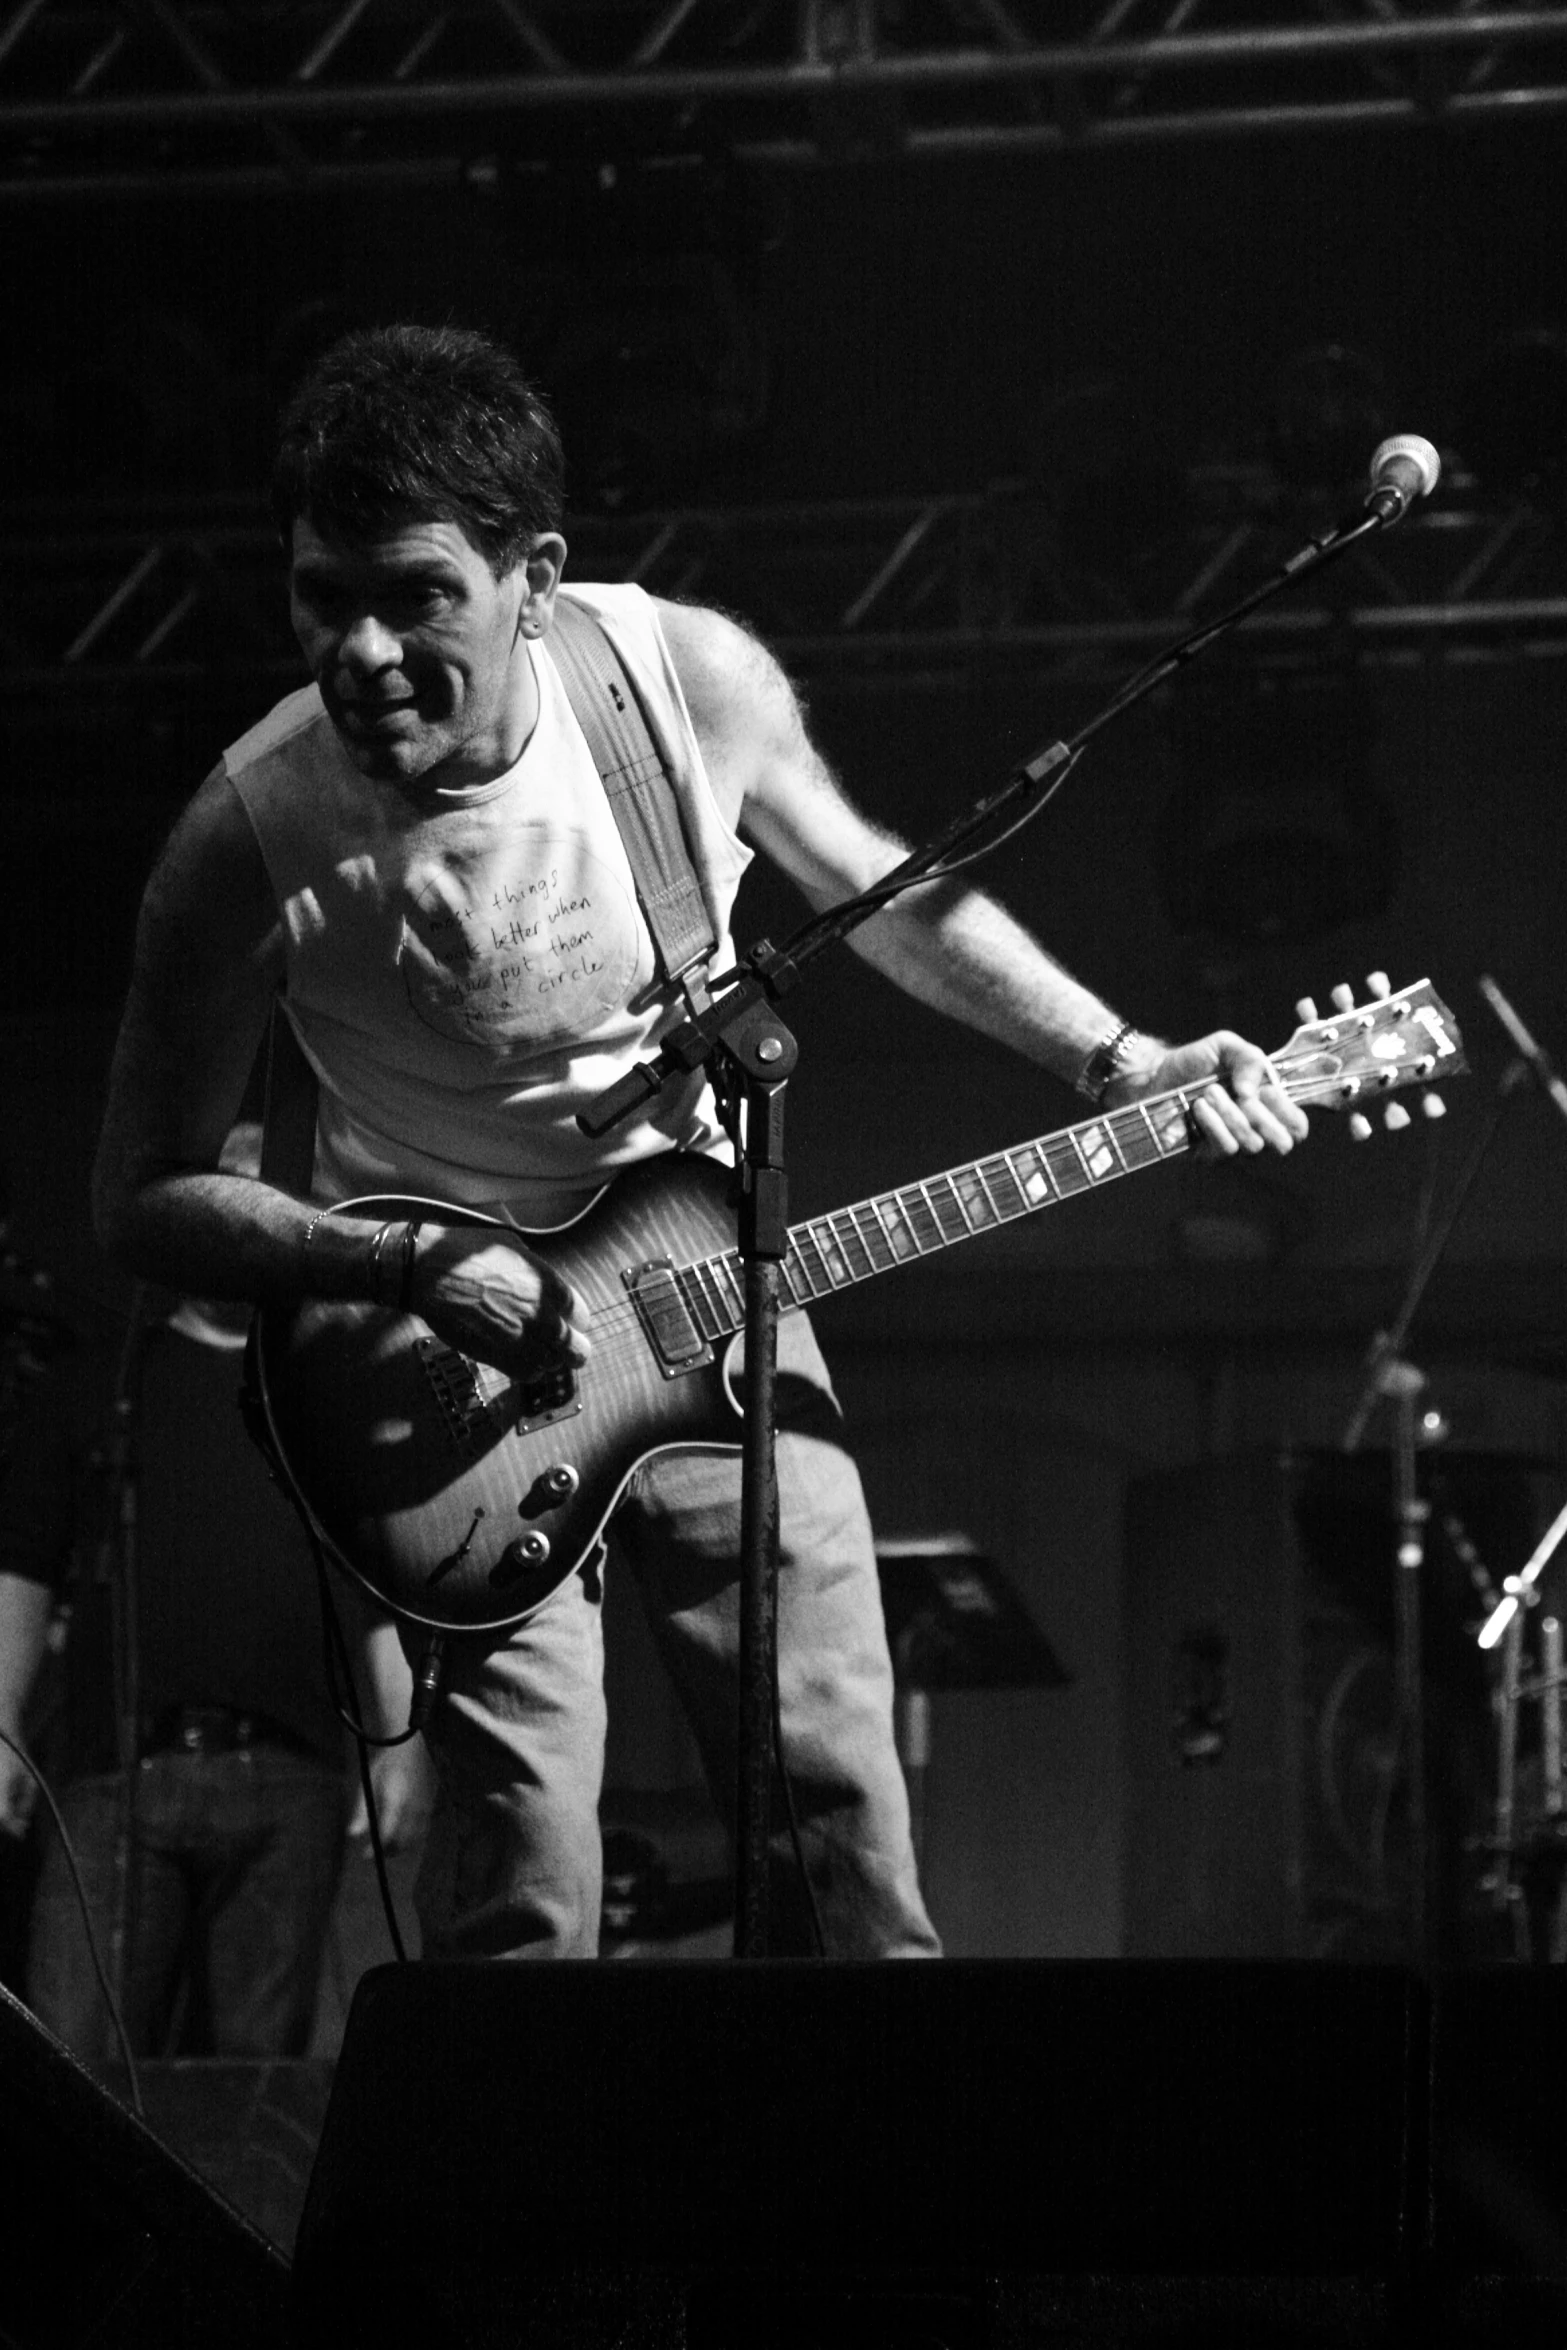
(1402, 470)
(1536, 1056)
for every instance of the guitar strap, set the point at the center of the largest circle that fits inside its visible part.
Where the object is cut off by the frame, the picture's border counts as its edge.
(642, 800)
(636, 782)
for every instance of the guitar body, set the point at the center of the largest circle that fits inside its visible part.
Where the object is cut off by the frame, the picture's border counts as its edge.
(458, 1499)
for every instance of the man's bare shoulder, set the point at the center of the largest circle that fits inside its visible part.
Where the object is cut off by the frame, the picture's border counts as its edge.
(731, 682)
(210, 879)
(752, 728)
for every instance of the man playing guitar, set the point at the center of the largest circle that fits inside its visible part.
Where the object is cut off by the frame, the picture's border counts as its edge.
(417, 854)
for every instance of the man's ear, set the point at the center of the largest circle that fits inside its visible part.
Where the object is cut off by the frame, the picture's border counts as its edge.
(541, 571)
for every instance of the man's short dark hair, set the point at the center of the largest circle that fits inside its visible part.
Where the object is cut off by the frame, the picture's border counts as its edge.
(400, 424)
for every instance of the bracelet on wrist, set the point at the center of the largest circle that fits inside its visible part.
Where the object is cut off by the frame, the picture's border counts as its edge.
(1105, 1063)
(405, 1277)
(304, 1247)
(377, 1276)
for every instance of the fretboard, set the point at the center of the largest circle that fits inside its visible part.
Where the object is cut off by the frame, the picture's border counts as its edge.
(829, 1253)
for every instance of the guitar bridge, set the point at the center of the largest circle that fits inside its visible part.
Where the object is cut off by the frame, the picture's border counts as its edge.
(664, 1315)
(454, 1382)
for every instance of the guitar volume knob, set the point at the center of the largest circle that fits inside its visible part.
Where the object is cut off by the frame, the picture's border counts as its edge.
(550, 1488)
(520, 1557)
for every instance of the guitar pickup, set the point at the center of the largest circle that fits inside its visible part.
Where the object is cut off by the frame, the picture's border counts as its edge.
(665, 1316)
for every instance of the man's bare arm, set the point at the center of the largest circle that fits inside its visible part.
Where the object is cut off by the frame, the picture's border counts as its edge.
(207, 964)
(25, 1609)
(943, 942)
(209, 957)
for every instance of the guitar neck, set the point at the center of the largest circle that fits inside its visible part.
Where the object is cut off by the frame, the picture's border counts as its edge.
(829, 1253)
(1403, 1038)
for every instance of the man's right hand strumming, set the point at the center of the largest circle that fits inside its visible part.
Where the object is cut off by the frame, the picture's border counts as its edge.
(492, 1298)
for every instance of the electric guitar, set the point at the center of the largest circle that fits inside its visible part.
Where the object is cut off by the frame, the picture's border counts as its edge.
(461, 1498)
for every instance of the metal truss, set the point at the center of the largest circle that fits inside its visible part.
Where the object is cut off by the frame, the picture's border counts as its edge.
(124, 97)
(942, 591)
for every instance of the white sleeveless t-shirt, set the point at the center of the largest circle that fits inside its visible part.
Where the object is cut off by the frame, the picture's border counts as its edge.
(466, 976)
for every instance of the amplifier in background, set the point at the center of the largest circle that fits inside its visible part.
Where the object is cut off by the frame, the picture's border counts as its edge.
(1266, 1790)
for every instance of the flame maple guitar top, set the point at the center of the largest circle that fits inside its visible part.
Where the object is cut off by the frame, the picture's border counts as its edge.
(415, 1465)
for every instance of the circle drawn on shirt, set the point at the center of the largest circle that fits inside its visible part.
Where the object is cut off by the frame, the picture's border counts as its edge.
(541, 955)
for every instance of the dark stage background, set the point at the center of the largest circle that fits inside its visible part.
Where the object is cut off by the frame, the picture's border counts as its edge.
(1094, 328)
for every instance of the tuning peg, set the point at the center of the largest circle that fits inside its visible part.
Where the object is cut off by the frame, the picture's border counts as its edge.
(1433, 1105)
(1343, 998)
(1306, 1009)
(1395, 1117)
(1359, 1127)
(1378, 984)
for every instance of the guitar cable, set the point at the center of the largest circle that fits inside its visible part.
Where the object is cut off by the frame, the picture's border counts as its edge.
(339, 1671)
(336, 1664)
(338, 1668)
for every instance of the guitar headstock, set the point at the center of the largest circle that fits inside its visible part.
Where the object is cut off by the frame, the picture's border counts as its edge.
(1360, 1052)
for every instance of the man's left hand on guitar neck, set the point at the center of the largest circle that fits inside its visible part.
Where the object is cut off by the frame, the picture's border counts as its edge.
(1243, 1108)
(945, 943)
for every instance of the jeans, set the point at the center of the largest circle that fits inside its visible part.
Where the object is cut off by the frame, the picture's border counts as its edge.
(512, 1867)
(234, 1869)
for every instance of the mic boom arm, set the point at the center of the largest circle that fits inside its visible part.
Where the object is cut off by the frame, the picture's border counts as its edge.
(1401, 469)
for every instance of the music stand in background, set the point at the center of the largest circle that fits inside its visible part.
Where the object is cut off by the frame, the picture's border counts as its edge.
(953, 1622)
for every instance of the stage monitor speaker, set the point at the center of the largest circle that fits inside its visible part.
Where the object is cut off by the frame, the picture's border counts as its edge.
(106, 2238)
(738, 2157)
(1264, 1787)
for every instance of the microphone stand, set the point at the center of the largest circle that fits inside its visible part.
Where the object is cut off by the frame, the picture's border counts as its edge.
(755, 1054)
(1541, 1856)
(1533, 1057)
(1390, 1376)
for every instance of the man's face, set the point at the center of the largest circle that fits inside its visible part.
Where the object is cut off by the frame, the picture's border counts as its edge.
(416, 648)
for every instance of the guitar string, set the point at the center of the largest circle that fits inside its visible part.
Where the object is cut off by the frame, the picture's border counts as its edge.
(617, 1329)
